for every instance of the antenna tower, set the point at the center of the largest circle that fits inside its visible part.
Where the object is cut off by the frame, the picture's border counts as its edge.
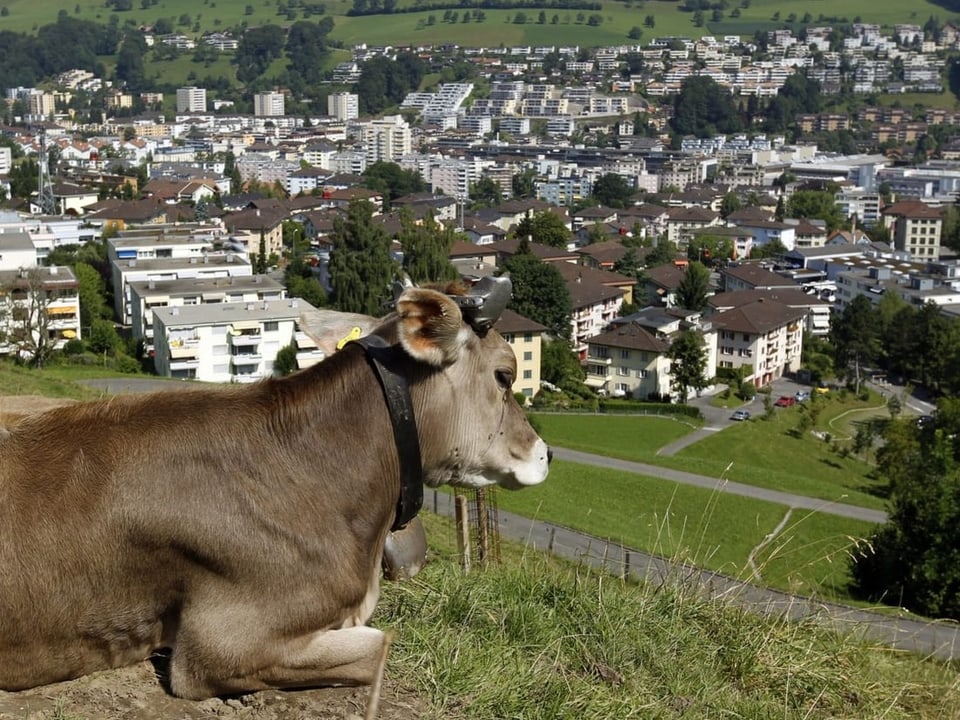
(45, 198)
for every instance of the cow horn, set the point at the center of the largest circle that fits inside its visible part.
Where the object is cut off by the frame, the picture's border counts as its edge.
(486, 301)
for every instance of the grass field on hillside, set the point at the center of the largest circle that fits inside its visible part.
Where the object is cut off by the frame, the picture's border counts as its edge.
(402, 28)
(710, 529)
(765, 453)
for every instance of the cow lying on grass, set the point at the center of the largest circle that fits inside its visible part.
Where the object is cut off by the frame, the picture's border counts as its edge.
(242, 527)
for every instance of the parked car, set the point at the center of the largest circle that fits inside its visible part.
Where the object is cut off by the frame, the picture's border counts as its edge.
(822, 388)
(802, 395)
(785, 401)
(924, 421)
(740, 415)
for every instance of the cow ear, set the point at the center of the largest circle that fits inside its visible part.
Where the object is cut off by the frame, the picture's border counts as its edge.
(430, 326)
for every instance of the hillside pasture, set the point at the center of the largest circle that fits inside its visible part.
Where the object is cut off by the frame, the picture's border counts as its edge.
(412, 28)
(735, 535)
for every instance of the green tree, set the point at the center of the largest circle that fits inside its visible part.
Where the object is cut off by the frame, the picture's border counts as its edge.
(92, 294)
(539, 292)
(485, 192)
(913, 560)
(558, 363)
(260, 258)
(23, 178)
(104, 337)
(258, 47)
(361, 267)
(426, 249)
(392, 181)
(688, 363)
(694, 287)
(286, 360)
(546, 228)
(816, 204)
(704, 109)
(612, 190)
(854, 334)
(524, 184)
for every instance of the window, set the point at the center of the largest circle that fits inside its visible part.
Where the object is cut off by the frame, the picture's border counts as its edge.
(624, 354)
(601, 351)
(528, 355)
(623, 371)
(643, 374)
(528, 337)
(508, 337)
(528, 374)
(746, 337)
(623, 388)
(271, 325)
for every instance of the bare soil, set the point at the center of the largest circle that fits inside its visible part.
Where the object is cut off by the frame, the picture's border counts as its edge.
(138, 692)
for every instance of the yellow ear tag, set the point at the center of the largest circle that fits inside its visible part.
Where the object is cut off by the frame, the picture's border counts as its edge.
(352, 335)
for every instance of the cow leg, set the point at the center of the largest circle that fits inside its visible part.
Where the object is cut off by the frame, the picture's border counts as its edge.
(349, 656)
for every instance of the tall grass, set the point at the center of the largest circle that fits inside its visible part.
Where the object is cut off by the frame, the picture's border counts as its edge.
(535, 638)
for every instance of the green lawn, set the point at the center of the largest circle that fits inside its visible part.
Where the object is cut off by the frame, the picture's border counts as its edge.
(762, 452)
(411, 28)
(629, 437)
(710, 529)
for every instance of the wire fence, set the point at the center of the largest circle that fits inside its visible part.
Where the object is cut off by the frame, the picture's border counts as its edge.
(937, 639)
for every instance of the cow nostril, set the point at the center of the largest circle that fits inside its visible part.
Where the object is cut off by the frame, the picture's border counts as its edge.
(549, 455)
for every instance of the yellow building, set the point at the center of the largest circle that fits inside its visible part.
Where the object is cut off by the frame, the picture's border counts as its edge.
(526, 339)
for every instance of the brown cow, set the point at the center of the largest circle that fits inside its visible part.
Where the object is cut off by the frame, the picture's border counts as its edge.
(242, 527)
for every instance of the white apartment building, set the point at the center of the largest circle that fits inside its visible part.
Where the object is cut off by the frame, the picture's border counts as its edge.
(38, 302)
(17, 250)
(151, 294)
(126, 271)
(343, 106)
(41, 104)
(386, 139)
(268, 104)
(229, 342)
(191, 99)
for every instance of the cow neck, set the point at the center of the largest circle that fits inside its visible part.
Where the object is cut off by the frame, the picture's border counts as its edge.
(397, 394)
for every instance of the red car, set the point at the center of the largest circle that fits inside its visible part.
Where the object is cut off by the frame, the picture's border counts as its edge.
(785, 401)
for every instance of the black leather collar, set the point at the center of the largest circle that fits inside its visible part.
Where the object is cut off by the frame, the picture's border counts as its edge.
(397, 394)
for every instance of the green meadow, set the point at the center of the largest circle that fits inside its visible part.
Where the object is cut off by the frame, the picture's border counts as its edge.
(499, 29)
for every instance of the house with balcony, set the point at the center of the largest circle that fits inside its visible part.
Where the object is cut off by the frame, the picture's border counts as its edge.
(815, 322)
(229, 342)
(915, 228)
(38, 304)
(763, 338)
(525, 338)
(594, 304)
(630, 358)
(124, 272)
(147, 295)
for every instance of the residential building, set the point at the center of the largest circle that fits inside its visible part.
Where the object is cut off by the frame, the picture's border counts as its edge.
(343, 106)
(146, 295)
(191, 99)
(209, 266)
(764, 338)
(229, 342)
(268, 104)
(914, 228)
(17, 250)
(526, 340)
(38, 305)
(386, 139)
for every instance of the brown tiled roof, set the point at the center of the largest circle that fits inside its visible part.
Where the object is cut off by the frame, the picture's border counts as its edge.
(666, 276)
(758, 318)
(914, 209)
(511, 322)
(790, 297)
(630, 336)
(755, 275)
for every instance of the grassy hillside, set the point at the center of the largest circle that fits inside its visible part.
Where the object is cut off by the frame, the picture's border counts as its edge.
(411, 28)
(535, 638)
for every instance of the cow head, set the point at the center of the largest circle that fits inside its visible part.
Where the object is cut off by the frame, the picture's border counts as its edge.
(472, 430)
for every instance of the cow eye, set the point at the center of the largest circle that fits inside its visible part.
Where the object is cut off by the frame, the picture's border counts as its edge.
(504, 378)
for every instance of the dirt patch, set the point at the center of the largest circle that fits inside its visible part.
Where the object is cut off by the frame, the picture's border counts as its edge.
(14, 407)
(136, 693)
